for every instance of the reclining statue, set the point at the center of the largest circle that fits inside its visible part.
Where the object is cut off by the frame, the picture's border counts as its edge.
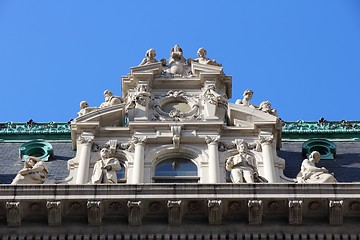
(33, 172)
(309, 173)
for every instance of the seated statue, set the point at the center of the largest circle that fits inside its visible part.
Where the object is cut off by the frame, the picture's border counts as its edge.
(265, 106)
(34, 172)
(105, 168)
(309, 173)
(247, 96)
(202, 59)
(84, 108)
(149, 57)
(110, 99)
(241, 165)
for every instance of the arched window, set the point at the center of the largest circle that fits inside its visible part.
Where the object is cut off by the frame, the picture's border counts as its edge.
(176, 170)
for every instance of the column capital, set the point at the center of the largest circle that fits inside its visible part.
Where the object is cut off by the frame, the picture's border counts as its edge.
(212, 139)
(266, 139)
(138, 140)
(86, 138)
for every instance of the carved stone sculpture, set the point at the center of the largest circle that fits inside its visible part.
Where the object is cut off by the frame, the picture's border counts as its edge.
(177, 63)
(84, 108)
(110, 99)
(149, 57)
(105, 168)
(202, 59)
(241, 166)
(213, 97)
(33, 172)
(247, 96)
(309, 173)
(265, 106)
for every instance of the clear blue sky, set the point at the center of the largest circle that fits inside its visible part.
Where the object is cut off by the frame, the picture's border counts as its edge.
(302, 56)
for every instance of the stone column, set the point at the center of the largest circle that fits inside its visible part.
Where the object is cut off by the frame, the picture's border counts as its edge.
(214, 171)
(268, 160)
(84, 144)
(138, 167)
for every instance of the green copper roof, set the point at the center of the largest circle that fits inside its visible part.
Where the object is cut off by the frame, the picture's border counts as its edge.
(31, 130)
(290, 130)
(322, 129)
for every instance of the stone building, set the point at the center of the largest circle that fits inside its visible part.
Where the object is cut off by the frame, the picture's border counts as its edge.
(172, 158)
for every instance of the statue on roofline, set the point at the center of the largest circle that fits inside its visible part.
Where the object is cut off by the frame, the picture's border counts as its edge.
(84, 108)
(149, 57)
(265, 106)
(309, 173)
(202, 59)
(247, 96)
(110, 99)
(34, 171)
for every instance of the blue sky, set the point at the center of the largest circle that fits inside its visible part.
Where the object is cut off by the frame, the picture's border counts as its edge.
(302, 56)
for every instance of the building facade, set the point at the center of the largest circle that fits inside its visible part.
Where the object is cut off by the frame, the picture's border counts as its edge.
(172, 158)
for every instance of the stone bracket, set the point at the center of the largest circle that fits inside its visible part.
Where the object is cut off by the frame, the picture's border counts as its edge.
(135, 213)
(336, 212)
(14, 215)
(295, 212)
(95, 212)
(175, 212)
(255, 211)
(54, 213)
(215, 211)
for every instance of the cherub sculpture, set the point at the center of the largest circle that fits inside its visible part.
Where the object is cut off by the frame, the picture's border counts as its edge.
(265, 106)
(84, 108)
(149, 57)
(33, 172)
(309, 173)
(202, 59)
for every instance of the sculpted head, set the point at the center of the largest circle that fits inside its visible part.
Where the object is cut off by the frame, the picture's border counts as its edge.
(315, 156)
(108, 94)
(84, 104)
(265, 105)
(151, 53)
(201, 52)
(104, 153)
(242, 147)
(248, 94)
(30, 162)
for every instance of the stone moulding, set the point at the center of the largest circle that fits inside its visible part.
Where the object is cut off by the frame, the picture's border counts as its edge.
(213, 204)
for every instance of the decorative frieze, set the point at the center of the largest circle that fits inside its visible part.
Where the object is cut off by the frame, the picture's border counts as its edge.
(135, 213)
(95, 212)
(295, 212)
(255, 211)
(54, 213)
(215, 211)
(175, 212)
